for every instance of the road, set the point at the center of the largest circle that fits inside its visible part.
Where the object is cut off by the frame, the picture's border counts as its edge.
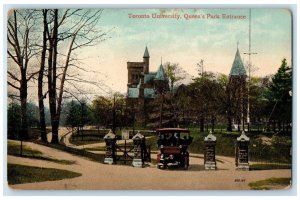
(97, 176)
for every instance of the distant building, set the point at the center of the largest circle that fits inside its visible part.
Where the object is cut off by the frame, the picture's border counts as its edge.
(143, 86)
(237, 93)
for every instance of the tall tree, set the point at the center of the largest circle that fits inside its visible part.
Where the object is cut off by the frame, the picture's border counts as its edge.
(174, 73)
(100, 109)
(279, 95)
(13, 120)
(76, 29)
(209, 93)
(21, 50)
(41, 95)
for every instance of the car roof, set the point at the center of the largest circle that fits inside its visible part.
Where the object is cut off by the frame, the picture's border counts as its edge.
(170, 130)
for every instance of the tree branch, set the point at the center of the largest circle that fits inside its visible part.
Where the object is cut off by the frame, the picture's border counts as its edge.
(12, 85)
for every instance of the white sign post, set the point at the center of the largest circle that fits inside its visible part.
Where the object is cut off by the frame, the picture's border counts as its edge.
(125, 135)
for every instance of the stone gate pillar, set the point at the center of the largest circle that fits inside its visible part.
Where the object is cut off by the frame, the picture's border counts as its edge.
(110, 141)
(210, 152)
(139, 148)
(242, 152)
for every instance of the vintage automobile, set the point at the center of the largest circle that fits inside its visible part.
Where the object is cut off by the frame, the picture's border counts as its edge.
(172, 147)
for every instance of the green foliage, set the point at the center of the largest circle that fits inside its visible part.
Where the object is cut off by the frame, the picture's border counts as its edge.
(77, 113)
(84, 137)
(32, 115)
(279, 93)
(18, 174)
(105, 109)
(14, 118)
(101, 107)
(281, 82)
(224, 146)
(209, 96)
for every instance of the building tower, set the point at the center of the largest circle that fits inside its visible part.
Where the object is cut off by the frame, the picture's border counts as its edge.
(236, 92)
(143, 87)
(146, 58)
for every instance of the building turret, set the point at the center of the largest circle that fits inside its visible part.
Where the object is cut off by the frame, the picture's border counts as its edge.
(238, 68)
(236, 92)
(146, 58)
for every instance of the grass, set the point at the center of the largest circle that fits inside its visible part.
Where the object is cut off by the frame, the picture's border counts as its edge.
(277, 152)
(224, 146)
(79, 152)
(87, 137)
(270, 183)
(86, 141)
(14, 149)
(86, 154)
(18, 174)
(102, 148)
(269, 166)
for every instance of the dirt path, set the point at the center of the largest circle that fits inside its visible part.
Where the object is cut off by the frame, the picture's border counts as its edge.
(97, 176)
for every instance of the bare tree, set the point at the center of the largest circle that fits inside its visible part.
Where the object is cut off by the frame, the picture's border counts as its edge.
(74, 29)
(174, 73)
(41, 95)
(21, 50)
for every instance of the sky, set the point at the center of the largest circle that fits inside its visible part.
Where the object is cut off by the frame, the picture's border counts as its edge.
(187, 41)
(184, 40)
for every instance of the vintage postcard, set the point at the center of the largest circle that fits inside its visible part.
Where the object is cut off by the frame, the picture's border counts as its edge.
(149, 99)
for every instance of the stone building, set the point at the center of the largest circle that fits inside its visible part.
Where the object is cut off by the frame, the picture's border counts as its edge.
(143, 86)
(237, 93)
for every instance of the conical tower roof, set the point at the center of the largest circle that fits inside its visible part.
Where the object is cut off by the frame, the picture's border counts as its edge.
(160, 74)
(146, 53)
(238, 68)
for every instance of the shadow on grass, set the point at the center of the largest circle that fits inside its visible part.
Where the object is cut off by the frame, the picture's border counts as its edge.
(14, 149)
(269, 166)
(18, 174)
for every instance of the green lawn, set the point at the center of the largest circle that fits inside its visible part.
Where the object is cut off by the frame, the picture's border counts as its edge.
(277, 152)
(17, 174)
(87, 137)
(270, 183)
(86, 140)
(14, 148)
(102, 148)
(79, 152)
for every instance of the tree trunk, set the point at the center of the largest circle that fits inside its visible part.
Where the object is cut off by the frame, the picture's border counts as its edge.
(40, 82)
(229, 123)
(52, 58)
(212, 123)
(201, 124)
(23, 97)
(161, 111)
(55, 125)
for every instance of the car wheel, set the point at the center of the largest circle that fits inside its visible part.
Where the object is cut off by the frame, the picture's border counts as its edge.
(165, 166)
